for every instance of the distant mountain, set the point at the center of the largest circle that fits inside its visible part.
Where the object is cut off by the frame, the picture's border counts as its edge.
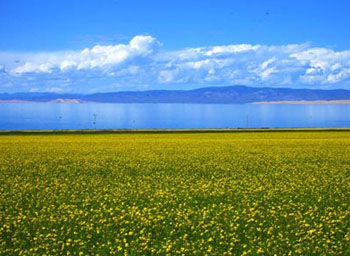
(216, 95)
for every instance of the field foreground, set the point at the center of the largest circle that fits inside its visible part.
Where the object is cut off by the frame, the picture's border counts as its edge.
(283, 193)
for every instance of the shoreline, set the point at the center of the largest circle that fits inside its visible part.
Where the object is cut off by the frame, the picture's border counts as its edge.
(305, 102)
(164, 131)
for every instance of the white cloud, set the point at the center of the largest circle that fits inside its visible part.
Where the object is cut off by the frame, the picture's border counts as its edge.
(29, 67)
(325, 66)
(232, 49)
(141, 62)
(97, 57)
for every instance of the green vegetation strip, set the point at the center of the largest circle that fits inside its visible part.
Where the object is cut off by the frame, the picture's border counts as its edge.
(160, 131)
(250, 193)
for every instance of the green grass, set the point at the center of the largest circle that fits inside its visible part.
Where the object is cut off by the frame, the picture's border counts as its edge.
(149, 193)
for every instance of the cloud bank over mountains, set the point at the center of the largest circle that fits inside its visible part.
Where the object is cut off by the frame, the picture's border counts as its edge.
(143, 63)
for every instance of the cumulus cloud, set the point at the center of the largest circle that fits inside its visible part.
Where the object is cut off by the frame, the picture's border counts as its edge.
(98, 57)
(143, 62)
(324, 66)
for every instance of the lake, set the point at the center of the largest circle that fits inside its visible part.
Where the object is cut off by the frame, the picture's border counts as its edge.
(44, 116)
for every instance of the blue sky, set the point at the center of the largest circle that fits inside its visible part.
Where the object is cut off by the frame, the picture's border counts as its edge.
(112, 45)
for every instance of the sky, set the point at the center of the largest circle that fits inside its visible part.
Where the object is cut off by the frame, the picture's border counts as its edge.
(71, 46)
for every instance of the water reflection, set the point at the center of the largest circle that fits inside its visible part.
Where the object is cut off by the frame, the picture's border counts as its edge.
(43, 116)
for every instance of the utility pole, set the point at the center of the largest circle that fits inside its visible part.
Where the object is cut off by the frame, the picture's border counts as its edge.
(95, 116)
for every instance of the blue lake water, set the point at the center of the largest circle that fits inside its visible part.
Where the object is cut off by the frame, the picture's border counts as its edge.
(43, 116)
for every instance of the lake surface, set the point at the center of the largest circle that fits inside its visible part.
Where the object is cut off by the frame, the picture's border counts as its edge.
(44, 116)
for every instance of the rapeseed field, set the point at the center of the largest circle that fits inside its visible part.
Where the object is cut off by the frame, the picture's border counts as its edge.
(246, 193)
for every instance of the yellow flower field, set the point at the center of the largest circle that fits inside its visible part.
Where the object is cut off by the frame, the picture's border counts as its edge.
(239, 193)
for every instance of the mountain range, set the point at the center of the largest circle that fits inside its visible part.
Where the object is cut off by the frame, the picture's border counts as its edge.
(215, 95)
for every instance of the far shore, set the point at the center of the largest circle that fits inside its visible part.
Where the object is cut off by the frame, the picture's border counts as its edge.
(56, 101)
(304, 102)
